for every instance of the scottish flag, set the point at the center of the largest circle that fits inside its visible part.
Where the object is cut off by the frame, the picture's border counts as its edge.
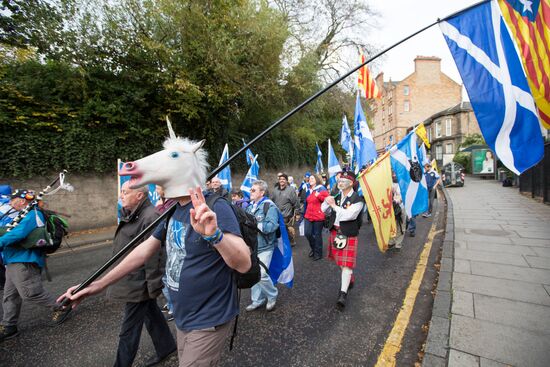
(251, 176)
(319, 165)
(405, 162)
(495, 80)
(423, 156)
(249, 155)
(333, 166)
(281, 268)
(345, 137)
(225, 174)
(364, 149)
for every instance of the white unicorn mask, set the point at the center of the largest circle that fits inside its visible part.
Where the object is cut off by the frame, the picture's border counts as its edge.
(179, 167)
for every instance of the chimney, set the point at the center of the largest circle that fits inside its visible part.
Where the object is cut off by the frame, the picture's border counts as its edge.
(427, 67)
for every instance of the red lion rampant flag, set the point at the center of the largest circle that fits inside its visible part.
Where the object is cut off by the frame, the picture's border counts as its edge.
(366, 82)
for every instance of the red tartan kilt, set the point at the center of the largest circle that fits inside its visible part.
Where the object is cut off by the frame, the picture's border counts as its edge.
(347, 255)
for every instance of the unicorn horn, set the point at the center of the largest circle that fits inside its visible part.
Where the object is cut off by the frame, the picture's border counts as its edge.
(170, 130)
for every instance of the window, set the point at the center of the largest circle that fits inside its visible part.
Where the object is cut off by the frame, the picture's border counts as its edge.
(448, 127)
(449, 148)
(429, 131)
(406, 90)
(406, 106)
(438, 129)
(438, 152)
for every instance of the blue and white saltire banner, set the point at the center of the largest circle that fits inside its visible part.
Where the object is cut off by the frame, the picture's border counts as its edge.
(251, 176)
(249, 155)
(345, 137)
(281, 268)
(153, 195)
(333, 166)
(225, 174)
(405, 162)
(319, 165)
(423, 156)
(493, 75)
(364, 148)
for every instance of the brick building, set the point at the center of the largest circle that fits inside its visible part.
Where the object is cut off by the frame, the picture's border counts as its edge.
(447, 129)
(410, 101)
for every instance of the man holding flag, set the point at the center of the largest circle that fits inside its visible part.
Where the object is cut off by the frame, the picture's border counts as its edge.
(345, 211)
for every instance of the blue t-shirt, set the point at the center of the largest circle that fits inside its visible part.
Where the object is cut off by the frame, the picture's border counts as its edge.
(431, 179)
(202, 287)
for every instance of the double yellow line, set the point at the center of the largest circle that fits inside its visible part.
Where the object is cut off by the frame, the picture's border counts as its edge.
(395, 338)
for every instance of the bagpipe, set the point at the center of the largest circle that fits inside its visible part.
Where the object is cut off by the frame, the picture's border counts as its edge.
(43, 236)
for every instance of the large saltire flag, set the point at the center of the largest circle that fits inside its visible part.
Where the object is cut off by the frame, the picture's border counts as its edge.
(529, 22)
(319, 165)
(153, 195)
(423, 156)
(333, 166)
(364, 148)
(367, 83)
(376, 183)
(490, 67)
(407, 165)
(225, 174)
(422, 134)
(249, 155)
(345, 137)
(251, 176)
(281, 268)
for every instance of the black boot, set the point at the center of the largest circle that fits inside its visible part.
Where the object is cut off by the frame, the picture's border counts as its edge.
(341, 303)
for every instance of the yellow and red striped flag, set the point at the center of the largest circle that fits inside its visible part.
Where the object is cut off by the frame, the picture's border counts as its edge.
(529, 22)
(366, 82)
(376, 184)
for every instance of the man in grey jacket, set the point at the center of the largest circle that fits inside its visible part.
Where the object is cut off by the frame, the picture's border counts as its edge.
(287, 201)
(140, 288)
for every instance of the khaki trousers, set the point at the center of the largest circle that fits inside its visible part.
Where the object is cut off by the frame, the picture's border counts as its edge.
(202, 348)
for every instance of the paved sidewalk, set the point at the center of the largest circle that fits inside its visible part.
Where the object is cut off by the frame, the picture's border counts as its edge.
(500, 287)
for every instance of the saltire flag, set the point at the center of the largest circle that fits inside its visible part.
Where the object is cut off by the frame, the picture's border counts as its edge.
(249, 155)
(405, 162)
(364, 148)
(251, 176)
(153, 195)
(345, 137)
(225, 174)
(422, 134)
(367, 83)
(423, 156)
(529, 23)
(319, 165)
(376, 184)
(333, 166)
(281, 268)
(490, 67)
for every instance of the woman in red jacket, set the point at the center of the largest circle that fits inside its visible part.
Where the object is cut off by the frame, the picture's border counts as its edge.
(314, 216)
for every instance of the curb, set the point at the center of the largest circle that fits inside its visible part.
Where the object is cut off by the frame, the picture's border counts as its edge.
(437, 342)
(68, 244)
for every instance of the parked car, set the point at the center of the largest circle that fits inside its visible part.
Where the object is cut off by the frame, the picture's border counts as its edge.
(452, 174)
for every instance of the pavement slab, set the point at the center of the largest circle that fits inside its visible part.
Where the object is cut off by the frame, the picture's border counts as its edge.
(538, 262)
(462, 266)
(503, 249)
(461, 359)
(490, 257)
(531, 275)
(463, 303)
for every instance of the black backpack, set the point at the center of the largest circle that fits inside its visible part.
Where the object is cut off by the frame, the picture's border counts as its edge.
(57, 228)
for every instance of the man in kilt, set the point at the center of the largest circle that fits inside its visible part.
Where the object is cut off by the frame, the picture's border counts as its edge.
(345, 210)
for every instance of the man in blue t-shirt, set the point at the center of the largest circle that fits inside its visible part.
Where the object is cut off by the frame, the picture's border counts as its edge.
(203, 246)
(432, 180)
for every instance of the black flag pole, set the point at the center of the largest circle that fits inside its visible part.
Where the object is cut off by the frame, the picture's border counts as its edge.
(153, 225)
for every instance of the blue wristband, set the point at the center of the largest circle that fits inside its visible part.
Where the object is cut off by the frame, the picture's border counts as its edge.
(215, 238)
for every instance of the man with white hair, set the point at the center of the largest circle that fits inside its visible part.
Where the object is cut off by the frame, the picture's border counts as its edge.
(217, 188)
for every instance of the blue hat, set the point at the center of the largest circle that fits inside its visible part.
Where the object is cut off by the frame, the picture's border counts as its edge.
(307, 174)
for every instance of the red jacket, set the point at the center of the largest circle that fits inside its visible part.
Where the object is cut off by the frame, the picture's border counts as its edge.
(313, 209)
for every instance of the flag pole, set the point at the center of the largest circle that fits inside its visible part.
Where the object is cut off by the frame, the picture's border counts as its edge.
(212, 174)
(324, 90)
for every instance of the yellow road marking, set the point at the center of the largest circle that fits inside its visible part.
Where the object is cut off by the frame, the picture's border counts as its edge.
(395, 338)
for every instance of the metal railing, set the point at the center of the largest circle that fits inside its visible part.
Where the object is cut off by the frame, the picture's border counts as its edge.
(536, 180)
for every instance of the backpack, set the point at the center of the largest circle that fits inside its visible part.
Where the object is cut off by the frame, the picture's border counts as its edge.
(57, 228)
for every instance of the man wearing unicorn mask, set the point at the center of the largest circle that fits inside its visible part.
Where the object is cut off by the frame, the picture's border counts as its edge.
(203, 246)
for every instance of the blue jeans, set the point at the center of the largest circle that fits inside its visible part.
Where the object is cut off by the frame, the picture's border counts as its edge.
(264, 289)
(313, 232)
(135, 315)
(166, 294)
(412, 225)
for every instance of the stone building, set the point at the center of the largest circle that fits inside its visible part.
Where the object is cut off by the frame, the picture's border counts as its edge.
(448, 128)
(408, 102)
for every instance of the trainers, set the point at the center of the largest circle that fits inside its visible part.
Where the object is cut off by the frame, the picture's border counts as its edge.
(60, 315)
(8, 332)
(253, 306)
(427, 215)
(153, 361)
(169, 316)
(412, 234)
(270, 306)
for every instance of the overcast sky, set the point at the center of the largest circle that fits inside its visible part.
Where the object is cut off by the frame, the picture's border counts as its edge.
(400, 18)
